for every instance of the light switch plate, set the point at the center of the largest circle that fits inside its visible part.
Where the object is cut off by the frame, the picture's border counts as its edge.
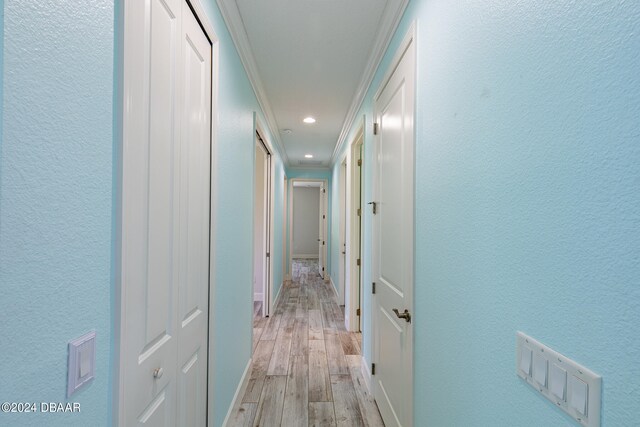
(570, 371)
(82, 362)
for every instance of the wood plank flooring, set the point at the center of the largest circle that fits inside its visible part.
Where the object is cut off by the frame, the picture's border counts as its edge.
(306, 366)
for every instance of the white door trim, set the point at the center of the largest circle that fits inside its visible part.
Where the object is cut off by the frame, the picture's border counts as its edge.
(123, 15)
(354, 234)
(292, 181)
(409, 39)
(342, 243)
(268, 291)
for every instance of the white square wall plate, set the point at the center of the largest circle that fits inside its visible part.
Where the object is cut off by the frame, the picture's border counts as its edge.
(82, 362)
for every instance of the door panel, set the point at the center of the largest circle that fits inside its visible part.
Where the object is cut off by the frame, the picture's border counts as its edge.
(149, 214)
(393, 238)
(194, 221)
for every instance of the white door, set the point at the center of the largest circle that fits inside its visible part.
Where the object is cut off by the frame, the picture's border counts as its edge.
(164, 263)
(259, 241)
(393, 239)
(321, 231)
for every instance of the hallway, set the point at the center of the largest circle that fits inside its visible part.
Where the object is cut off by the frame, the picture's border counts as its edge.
(306, 367)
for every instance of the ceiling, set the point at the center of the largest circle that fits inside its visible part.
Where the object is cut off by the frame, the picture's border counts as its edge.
(311, 58)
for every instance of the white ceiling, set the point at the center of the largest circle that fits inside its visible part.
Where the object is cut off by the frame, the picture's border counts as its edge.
(311, 58)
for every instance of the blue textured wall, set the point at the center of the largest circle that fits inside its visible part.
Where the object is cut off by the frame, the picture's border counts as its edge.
(55, 203)
(233, 215)
(527, 203)
(56, 223)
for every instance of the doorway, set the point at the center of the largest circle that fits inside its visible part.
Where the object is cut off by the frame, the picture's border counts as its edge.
(262, 228)
(308, 222)
(354, 294)
(342, 201)
(163, 250)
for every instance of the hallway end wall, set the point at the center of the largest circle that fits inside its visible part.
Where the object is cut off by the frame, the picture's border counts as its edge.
(527, 209)
(324, 174)
(56, 179)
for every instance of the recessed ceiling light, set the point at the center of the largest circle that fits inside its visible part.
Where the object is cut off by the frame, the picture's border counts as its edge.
(309, 156)
(309, 120)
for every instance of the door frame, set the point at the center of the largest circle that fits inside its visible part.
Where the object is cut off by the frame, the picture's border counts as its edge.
(324, 182)
(267, 299)
(353, 322)
(408, 40)
(342, 251)
(122, 14)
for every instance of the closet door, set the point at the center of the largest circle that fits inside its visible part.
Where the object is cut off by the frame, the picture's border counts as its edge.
(164, 260)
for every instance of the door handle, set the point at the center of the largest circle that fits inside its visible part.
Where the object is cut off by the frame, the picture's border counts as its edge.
(374, 206)
(406, 315)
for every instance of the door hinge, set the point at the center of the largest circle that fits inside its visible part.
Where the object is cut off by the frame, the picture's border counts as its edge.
(373, 288)
(375, 128)
(322, 268)
(358, 262)
(373, 369)
(358, 312)
(268, 254)
(324, 191)
(323, 243)
(358, 211)
(322, 216)
(359, 162)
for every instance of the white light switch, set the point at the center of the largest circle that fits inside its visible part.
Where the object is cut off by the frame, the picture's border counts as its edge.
(85, 362)
(525, 360)
(557, 381)
(82, 362)
(571, 387)
(579, 393)
(540, 369)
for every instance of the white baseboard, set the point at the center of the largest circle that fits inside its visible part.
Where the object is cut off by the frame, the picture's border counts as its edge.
(258, 296)
(237, 398)
(275, 301)
(335, 290)
(305, 256)
(366, 373)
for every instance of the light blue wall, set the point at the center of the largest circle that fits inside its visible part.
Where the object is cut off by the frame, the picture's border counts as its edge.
(527, 203)
(55, 203)
(233, 246)
(56, 209)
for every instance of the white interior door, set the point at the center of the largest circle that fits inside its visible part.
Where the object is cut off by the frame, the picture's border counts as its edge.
(164, 264)
(259, 211)
(321, 240)
(393, 238)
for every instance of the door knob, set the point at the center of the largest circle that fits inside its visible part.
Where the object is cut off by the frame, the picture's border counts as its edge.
(406, 315)
(374, 206)
(157, 373)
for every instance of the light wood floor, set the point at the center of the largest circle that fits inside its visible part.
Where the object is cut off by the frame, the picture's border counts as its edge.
(306, 366)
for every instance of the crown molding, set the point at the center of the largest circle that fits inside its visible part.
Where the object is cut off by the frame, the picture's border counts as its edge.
(235, 25)
(388, 26)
